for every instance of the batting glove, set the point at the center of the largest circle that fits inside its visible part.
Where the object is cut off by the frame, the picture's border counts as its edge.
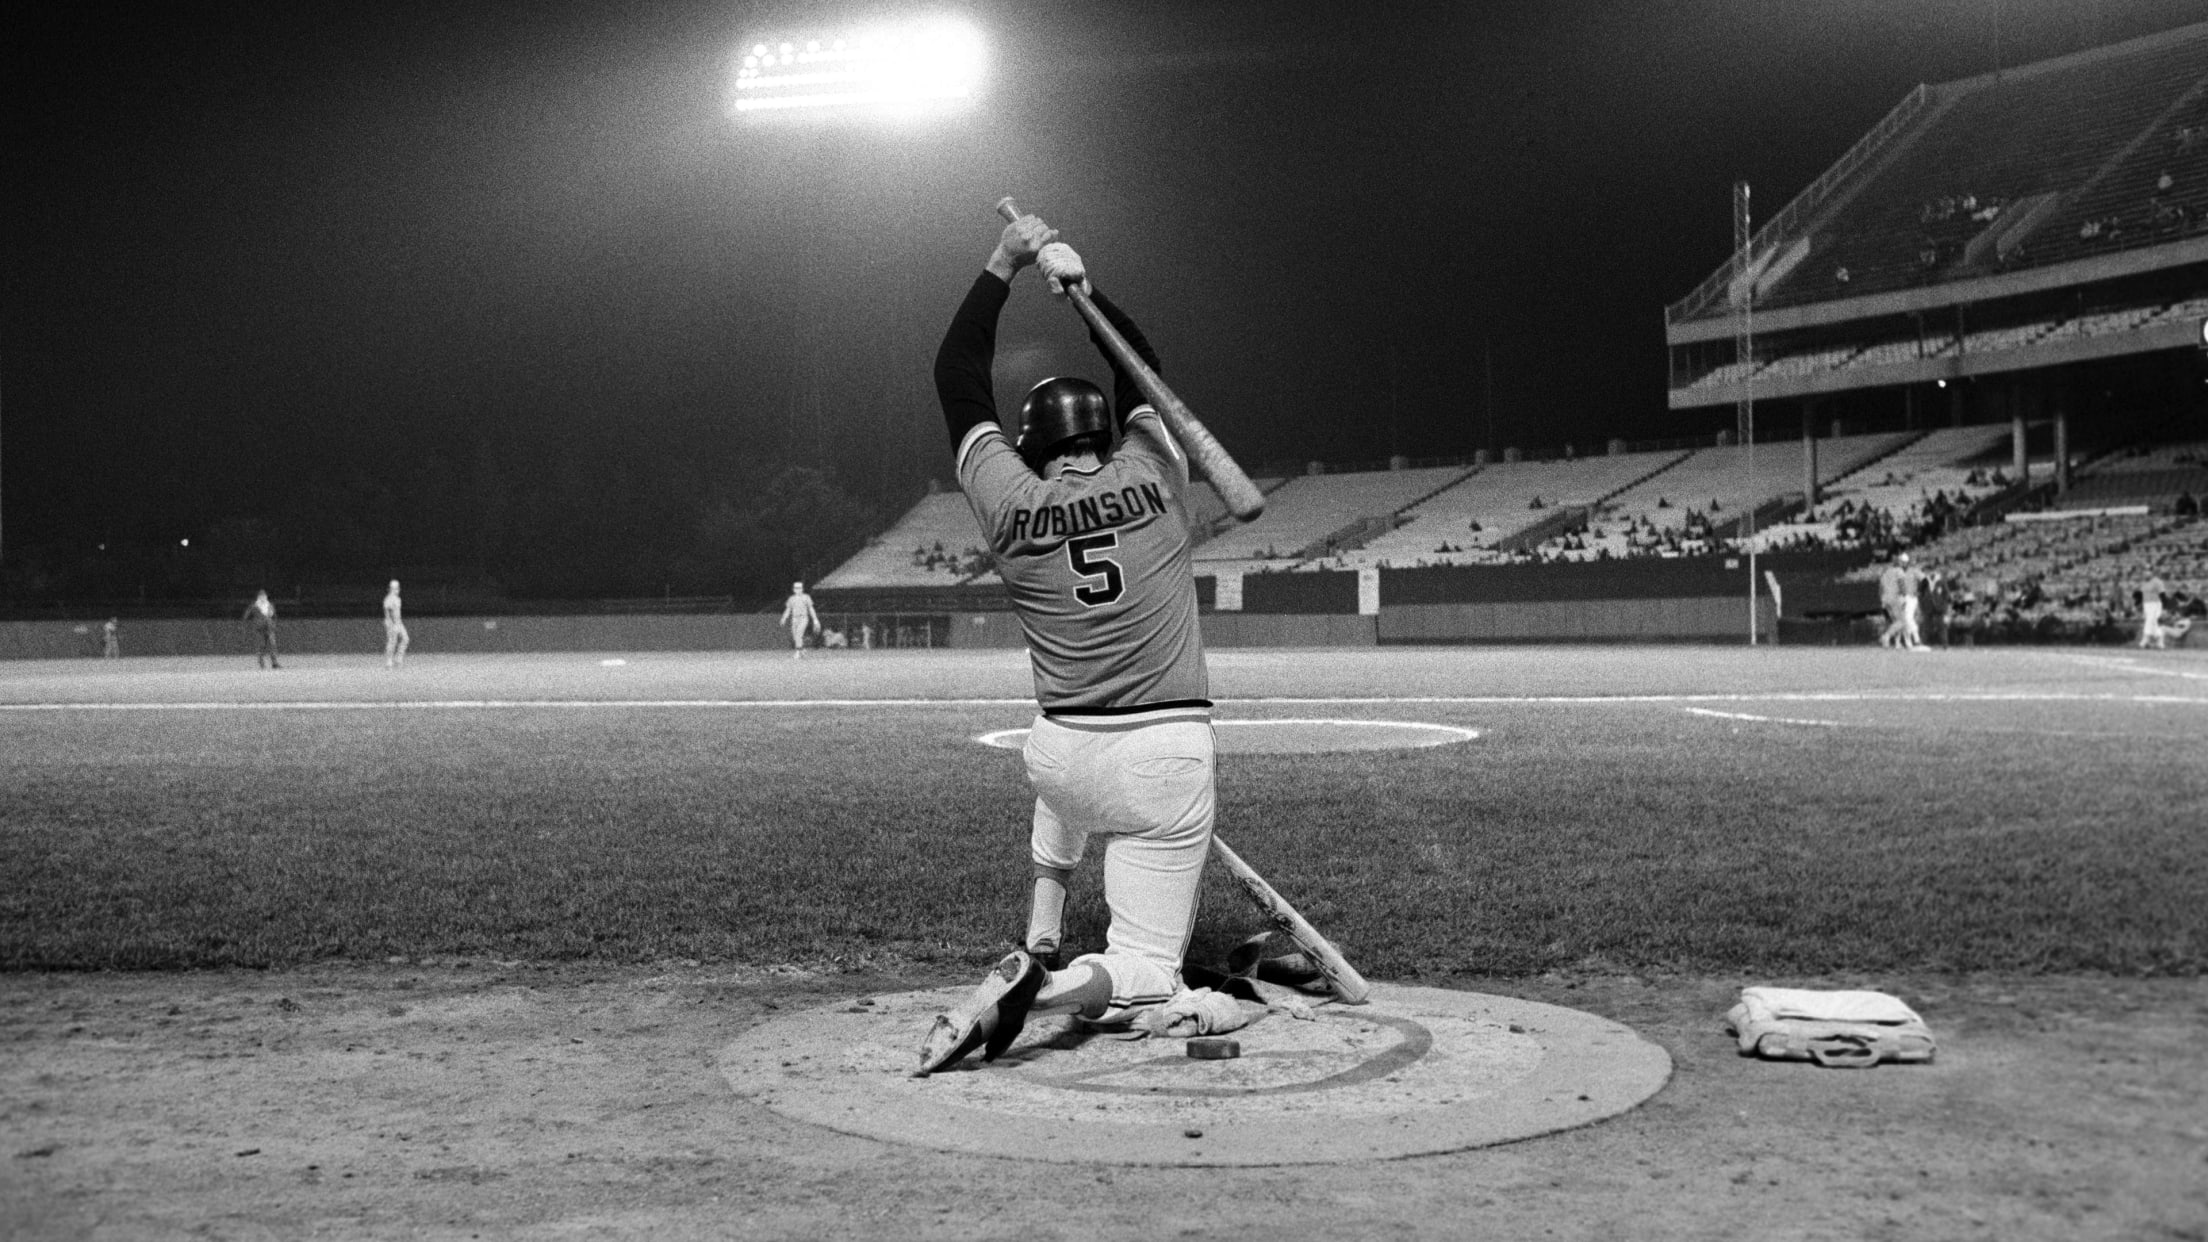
(1063, 267)
(1021, 239)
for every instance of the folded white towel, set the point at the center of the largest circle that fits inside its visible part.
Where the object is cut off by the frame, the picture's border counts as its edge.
(1852, 1029)
(1198, 1011)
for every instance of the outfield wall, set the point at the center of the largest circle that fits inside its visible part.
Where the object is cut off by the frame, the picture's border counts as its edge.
(1241, 629)
(1595, 620)
(1704, 619)
(45, 640)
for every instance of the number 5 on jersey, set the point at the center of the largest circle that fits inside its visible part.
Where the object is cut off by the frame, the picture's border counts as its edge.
(1082, 554)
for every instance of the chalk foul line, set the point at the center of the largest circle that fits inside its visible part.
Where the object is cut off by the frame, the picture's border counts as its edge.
(1792, 720)
(1480, 700)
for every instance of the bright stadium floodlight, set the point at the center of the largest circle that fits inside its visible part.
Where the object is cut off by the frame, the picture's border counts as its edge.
(910, 67)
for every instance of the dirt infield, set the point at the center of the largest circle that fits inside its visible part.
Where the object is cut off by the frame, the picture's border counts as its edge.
(478, 1099)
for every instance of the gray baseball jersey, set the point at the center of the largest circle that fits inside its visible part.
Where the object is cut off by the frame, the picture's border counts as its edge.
(1098, 563)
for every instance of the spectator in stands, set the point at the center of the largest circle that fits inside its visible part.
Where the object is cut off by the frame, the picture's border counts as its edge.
(1963, 612)
(2187, 506)
(2150, 612)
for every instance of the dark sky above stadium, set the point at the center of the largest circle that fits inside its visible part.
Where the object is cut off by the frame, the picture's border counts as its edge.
(245, 240)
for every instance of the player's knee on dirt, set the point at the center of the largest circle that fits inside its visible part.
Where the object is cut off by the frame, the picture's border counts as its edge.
(1082, 989)
(1136, 984)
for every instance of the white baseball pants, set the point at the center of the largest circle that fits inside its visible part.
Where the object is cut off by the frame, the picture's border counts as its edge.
(1147, 790)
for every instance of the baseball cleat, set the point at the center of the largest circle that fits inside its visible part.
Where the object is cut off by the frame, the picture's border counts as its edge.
(990, 1019)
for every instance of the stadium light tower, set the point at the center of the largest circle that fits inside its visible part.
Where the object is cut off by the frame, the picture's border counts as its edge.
(929, 65)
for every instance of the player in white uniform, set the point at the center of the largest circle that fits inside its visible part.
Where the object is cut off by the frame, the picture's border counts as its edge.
(798, 614)
(395, 636)
(1093, 544)
(1912, 605)
(1893, 592)
(2150, 612)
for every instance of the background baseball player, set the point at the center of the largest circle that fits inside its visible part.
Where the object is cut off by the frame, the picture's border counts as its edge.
(2150, 611)
(395, 637)
(1893, 585)
(1912, 605)
(1094, 547)
(798, 614)
(261, 615)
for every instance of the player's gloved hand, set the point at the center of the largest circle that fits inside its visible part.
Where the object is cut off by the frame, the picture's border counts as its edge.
(1017, 245)
(1063, 267)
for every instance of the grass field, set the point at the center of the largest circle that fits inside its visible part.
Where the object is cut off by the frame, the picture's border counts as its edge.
(1712, 810)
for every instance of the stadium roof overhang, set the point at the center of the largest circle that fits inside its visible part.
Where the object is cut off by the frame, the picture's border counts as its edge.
(1958, 366)
(1955, 293)
(1927, 303)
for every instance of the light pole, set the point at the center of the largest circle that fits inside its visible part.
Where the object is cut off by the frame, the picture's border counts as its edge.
(1744, 348)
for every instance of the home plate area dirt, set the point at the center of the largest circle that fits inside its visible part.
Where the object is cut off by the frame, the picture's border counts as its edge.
(1415, 1071)
(451, 1099)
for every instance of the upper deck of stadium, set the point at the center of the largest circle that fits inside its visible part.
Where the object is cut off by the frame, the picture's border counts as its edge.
(2037, 216)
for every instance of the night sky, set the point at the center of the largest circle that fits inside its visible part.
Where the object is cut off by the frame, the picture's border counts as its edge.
(427, 282)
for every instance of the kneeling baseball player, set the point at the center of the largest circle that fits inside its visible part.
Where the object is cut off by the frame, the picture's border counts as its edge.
(1094, 546)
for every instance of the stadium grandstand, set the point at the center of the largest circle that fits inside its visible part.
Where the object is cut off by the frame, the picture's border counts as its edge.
(1982, 332)
(2026, 247)
(934, 544)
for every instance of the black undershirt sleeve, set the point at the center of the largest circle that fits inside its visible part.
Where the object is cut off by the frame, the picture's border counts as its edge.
(962, 363)
(1126, 394)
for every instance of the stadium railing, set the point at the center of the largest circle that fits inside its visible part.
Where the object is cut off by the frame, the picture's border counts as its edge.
(1790, 218)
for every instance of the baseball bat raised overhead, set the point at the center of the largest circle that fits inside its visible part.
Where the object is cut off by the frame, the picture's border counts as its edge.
(1349, 986)
(1211, 458)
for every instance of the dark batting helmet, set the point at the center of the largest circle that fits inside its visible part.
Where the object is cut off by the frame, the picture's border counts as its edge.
(1060, 410)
